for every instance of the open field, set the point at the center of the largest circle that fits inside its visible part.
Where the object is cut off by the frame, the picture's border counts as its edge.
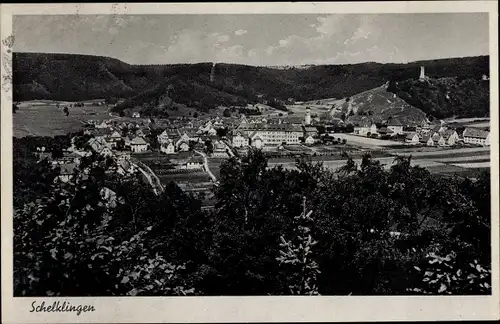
(479, 125)
(464, 159)
(191, 177)
(300, 110)
(462, 162)
(365, 141)
(48, 120)
(473, 165)
(467, 120)
(436, 151)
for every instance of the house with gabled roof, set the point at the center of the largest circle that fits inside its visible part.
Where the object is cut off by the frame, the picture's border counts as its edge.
(256, 141)
(450, 137)
(240, 140)
(412, 139)
(168, 148)
(182, 143)
(106, 151)
(440, 128)
(310, 140)
(219, 149)
(426, 140)
(194, 163)
(435, 136)
(138, 145)
(395, 125)
(310, 131)
(96, 143)
(365, 126)
(163, 138)
(384, 131)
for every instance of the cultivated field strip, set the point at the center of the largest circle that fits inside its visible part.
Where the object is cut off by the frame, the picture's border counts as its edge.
(459, 152)
(473, 165)
(475, 158)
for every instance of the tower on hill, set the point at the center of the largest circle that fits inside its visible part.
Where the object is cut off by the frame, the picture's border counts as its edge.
(212, 73)
(307, 119)
(422, 73)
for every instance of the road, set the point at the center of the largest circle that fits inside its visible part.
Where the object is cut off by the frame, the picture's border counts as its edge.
(152, 178)
(229, 148)
(205, 165)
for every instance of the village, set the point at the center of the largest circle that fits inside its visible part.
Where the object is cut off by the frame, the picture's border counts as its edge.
(189, 151)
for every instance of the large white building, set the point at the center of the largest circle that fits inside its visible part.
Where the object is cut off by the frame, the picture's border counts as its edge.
(476, 136)
(271, 134)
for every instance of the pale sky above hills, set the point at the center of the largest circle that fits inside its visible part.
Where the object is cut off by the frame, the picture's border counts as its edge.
(257, 39)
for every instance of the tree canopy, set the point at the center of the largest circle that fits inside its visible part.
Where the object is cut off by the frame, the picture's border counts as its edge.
(370, 231)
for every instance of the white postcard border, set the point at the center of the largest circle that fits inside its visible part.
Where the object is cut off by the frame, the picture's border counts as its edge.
(249, 309)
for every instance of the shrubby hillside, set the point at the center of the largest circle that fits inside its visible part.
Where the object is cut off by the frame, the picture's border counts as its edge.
(83, 77)
(379, 105)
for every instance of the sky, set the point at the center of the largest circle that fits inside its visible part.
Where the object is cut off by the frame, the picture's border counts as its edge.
(272, 39)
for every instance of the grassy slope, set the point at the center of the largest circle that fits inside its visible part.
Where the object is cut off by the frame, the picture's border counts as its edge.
(378, 104)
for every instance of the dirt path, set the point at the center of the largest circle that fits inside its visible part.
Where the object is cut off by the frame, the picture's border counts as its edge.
(205, 165)
(152, 178)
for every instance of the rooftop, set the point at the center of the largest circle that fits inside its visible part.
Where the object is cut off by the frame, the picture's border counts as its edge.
(476, 133)
(270, 127)
(138, 141)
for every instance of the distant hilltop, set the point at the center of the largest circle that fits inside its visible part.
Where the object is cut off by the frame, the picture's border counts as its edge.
(204, 86)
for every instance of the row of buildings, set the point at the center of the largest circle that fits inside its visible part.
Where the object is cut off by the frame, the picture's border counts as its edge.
(260, 132)
(449, 137)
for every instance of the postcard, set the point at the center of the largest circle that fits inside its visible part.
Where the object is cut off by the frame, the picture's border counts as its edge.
(250, 162)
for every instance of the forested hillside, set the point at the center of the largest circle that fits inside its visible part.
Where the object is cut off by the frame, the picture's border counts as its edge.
(82, 77)
(446, 97)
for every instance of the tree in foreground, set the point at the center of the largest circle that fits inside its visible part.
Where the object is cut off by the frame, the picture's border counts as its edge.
(297, 255)
(72, 242)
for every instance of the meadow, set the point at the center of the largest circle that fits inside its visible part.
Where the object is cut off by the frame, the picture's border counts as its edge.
(45, 119)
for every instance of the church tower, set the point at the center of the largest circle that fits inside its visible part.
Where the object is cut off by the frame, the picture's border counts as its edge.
(307, 120)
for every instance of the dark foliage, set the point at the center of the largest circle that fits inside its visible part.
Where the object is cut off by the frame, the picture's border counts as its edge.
(375, 229)
(446, 97)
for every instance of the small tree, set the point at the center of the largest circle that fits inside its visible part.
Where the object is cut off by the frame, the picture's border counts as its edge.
(296, 254)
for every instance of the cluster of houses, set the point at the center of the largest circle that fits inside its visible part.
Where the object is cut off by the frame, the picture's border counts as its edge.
(72, 158)
(443, 136)
(423, 134)
(366, 127)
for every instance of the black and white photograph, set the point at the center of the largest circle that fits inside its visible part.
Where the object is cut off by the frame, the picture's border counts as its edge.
(230, 154)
